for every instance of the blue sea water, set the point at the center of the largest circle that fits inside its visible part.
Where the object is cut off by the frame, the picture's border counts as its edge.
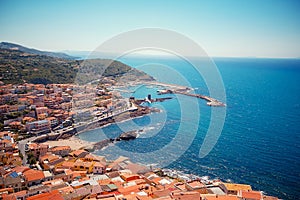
(259, 143)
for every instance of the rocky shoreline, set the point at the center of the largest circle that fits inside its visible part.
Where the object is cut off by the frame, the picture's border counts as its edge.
(130, 135)
(141, 111)
(64, 135)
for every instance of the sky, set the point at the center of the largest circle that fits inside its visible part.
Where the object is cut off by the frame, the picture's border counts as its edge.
(229, 28)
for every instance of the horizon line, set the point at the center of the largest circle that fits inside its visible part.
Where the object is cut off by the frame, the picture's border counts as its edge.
(67, 51)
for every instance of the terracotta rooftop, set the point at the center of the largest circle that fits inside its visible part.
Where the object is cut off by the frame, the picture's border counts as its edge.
(53, 195)
(196, 184)
(251, 194)
(221, 197)
(32, 175)
(78, 152)
(60, 148)
(236, 187)
(186, 195)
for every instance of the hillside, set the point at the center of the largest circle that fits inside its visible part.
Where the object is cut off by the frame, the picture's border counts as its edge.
(19, 67)
(12, 46)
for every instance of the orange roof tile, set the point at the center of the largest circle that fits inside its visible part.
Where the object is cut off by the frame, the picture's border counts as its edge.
(129, 190)
(77, 152)
(195, 184)
(68, 164)
(251, 194)
(221, 197)
(53, 195)
(32, 175)
(20, 169)
(237, 187)
(29, 119)
(60, 148)
(186, 195)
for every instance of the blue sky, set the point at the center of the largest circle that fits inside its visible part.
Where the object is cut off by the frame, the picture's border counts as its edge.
(240, 28)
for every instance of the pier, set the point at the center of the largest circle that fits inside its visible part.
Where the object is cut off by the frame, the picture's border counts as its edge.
(171, 86)
(210, 101)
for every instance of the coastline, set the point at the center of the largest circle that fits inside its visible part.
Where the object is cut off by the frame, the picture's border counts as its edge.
(74, 142)
(140, 112)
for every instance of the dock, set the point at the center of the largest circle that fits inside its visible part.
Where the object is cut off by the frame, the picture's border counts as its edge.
(210, 101)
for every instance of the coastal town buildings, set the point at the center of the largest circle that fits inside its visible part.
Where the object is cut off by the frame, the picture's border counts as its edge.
(30, 169)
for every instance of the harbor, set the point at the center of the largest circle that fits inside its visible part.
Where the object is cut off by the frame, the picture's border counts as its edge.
(210, 101)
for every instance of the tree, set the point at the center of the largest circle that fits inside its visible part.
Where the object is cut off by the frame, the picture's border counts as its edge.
(31, 159)
(21, 155)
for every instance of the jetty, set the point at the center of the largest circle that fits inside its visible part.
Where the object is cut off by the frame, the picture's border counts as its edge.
(171, 86)
(210, 101)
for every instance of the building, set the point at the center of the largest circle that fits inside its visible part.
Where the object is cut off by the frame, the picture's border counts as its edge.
(33, 177)
(79, 153)
(233, 188)
(49, 161)
(83, 166)
(250, 195)
(38, 149)
(61, 150)
(98, 168)
(38, 126)
(13, 180)
(220, 197)
(52, 121)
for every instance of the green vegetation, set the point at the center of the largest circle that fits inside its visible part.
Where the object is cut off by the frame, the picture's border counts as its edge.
(31, 159)
(7, 45)
(21, 155)
(17, 67)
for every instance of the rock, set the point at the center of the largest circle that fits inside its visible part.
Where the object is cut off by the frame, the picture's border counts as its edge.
(128, 135)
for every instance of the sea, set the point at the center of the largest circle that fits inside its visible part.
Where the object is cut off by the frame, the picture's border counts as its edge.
(254, 140)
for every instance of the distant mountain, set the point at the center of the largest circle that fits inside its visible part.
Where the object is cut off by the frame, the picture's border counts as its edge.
(12, 46)
(18, 67)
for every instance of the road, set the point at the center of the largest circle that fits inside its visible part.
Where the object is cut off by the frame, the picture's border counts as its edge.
(21, 146)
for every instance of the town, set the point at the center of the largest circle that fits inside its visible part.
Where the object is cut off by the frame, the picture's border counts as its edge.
(33, 170)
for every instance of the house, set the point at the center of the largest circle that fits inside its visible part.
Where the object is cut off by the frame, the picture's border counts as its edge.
(55, 184)
(49, 160)
(185, 195)
(48, 176)
(98, 168)
(47, 196)
(52, 121)
(60, 150)
(233, 188)
(13, 180)
(38, 126)
(83, 166)
(66, 165)
(27, 119)
(6, 194)
(33, 177)
(196, 186)
(64, 174)
(220, 197)
(42, 110)
(38, 189)
(38, 149)
(21, 195)
(16, 125)
(130, 177)
(250, 195)
(78, 153)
